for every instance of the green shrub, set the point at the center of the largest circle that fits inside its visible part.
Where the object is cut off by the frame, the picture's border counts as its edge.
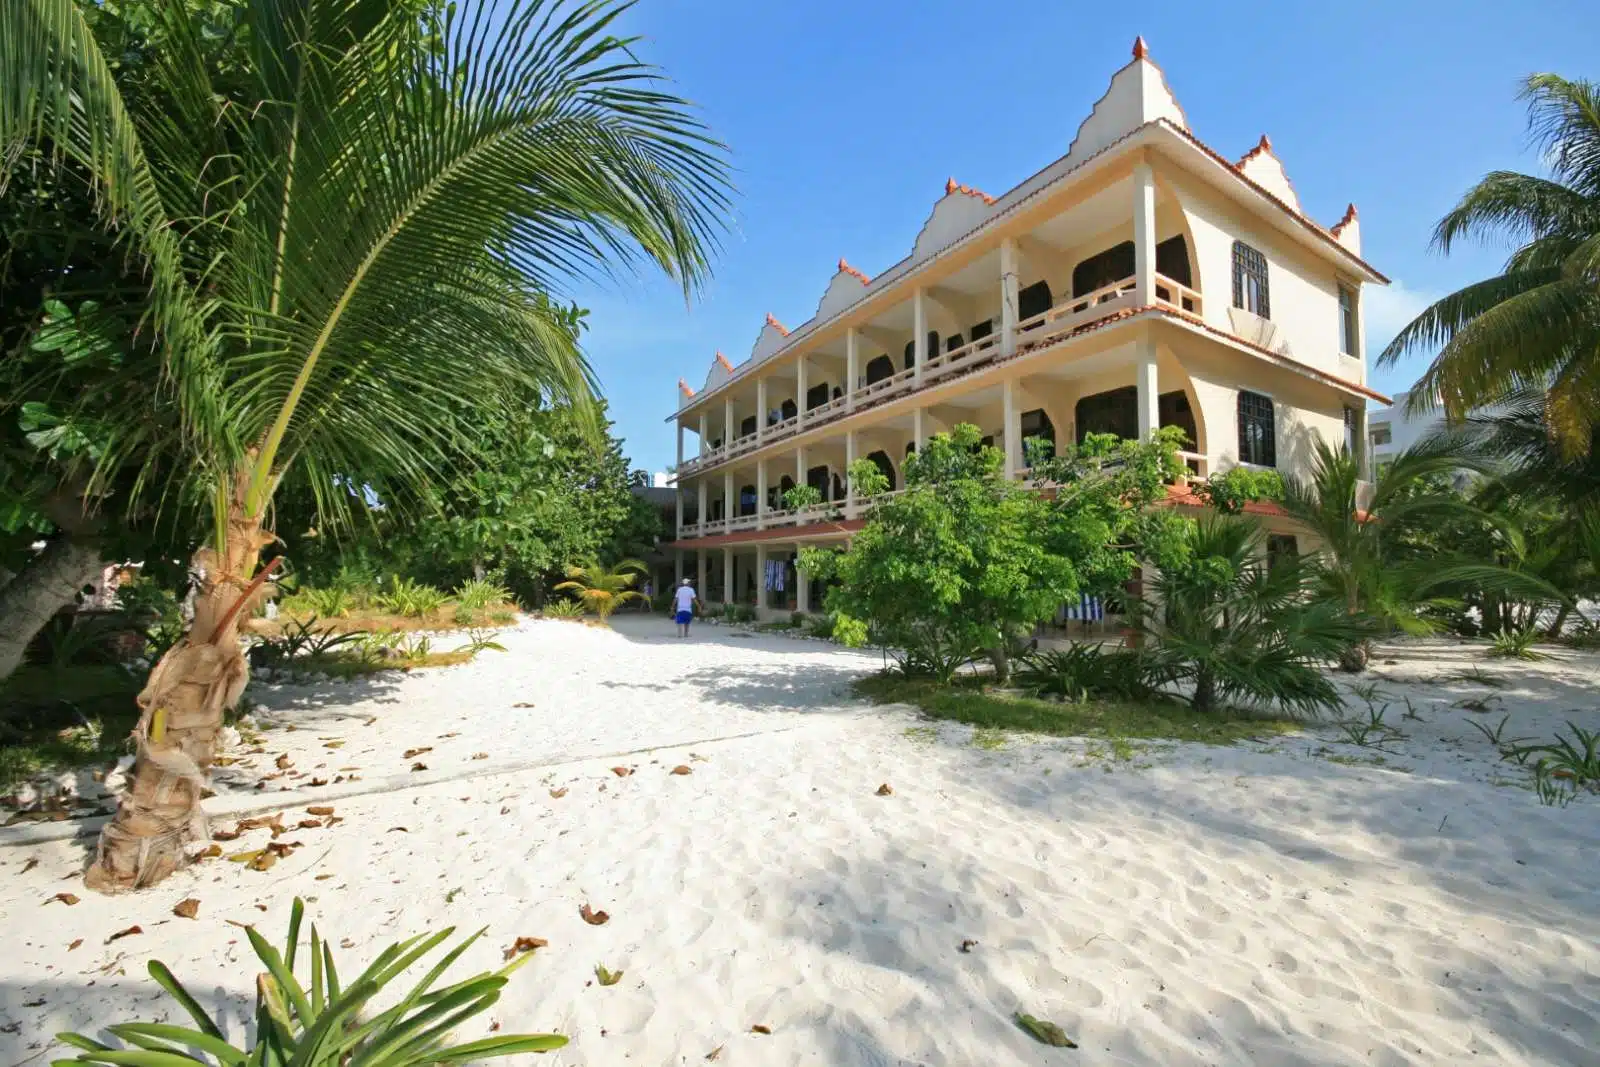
(328, 603)
(730, 613)
(745, 613)
(1084, 671)
(301, 639)
(820, 626)
(797, 620)
(562, 609)
(328, 1023)
(502, 617)
(465, 616)
(416, 599)
(1516, 644)
(481, 593)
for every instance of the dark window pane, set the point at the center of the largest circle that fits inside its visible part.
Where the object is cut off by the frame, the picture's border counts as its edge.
(1257, 438)
(1250, 280)
(880, 368)
(1034, 300)
(981, 330)
(1103, 268)
(1172, 259)
(1115, 411)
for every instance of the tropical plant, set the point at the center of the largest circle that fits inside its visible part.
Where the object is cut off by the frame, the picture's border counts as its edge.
(1537, 323)
(480, 593)
(1363, 563)
(331, 603)
(327, 1023)
(341, 239)
(1230, 490)
(602, 590)
(1237, 630)
(801, 497)
(299, 639)
(416, 599)
(1084, 671)
(1516, 644)
(563, 608)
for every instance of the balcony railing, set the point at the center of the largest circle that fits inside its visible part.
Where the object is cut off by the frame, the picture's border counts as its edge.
(1037, 331)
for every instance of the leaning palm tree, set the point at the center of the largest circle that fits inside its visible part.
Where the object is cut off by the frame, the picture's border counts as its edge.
(342, 240)
(1363, 563)
(1537, 323)
(604, 589)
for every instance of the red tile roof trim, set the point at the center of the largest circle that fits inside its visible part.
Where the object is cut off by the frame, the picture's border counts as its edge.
(683, 387)
(1349, 217)
(953, 186)
(722, 359)
(1263, 145)
(774, 322)
(1140, 49)
(857, 275)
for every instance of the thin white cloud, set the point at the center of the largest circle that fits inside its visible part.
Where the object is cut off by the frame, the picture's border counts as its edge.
(1389, 309)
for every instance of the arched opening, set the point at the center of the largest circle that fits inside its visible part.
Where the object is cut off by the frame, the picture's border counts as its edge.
(775, 495)
(817, 395)
(747, 500)
(787, 410)
(886, 465)
(1034, 300)
(817, 478)
(1117, 411)
(910, 355)
(880, 368)
(747, 427)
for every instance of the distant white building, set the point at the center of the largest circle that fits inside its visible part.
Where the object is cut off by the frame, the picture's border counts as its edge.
(1391, 430)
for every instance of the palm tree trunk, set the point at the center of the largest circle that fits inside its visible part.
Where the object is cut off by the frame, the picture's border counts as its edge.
(159, 819)
(1562, 613)
(1205, 691)
(46, 585)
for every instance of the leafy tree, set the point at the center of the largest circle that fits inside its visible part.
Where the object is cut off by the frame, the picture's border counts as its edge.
(1229, 491)
(1236, 630)
(965, 559)
(604, 589)
(338, 243)
(1537, 323)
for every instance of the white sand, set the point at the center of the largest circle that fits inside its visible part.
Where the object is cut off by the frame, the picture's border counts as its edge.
(1252, 905)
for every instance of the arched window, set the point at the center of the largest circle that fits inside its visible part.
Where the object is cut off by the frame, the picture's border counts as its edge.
(747, 500)
(880, 368)
(1034, 300)
(910, 355)
(1257, 438)
(788, 410)
(886, 466)
(1250, 280)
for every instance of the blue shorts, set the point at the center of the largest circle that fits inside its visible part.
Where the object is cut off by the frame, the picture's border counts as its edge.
(684, 618)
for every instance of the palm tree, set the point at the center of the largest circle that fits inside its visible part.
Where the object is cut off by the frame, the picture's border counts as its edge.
(1537, 323)
(341, 240)
(1363, 562)
(1238, 628)
(604, 589)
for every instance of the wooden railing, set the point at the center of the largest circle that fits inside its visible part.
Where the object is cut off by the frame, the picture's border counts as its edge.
(1069, 314)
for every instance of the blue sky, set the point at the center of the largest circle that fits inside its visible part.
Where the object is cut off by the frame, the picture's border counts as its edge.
(844, 121)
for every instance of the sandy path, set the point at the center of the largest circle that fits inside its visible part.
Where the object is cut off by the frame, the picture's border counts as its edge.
(1193, 905)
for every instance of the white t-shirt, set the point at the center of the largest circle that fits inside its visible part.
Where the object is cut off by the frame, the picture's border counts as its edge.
(683, 599)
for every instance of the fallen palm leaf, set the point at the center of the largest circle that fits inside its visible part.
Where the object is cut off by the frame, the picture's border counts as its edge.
(186, 909)
(129, 932)
(592, 917)
(66, 898)
(606, 977)
(525, 944)
(1045, 1032)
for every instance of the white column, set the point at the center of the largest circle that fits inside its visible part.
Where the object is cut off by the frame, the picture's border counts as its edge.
(852, 365)
(679, 467)
(800, 388)
(761, 577)
(677, 501)
(729, 501)
(761, 493)
(849, 482)
(727, 576)
(919, 324)
(704, 501)
(802, 584)
(1012, 435)
(1149, 389)
(728, 424)
(800, 465)
(705, 423)
(917, 432)
(677, 558)
(1144, 234)
(761, 408)
(700, 584)
(1008, 297)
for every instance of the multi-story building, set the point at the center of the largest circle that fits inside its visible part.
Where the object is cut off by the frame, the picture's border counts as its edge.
(1141, 280)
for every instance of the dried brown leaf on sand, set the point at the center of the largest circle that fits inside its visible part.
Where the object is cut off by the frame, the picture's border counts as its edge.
(30, 865)
(410, 752)
(884, 790)
(419, 766)
(682, 768)
(283, 762)
(622, 772)
(480, 755)
(319, 809)
(129, 932)
(186, 909)
(559, 793)
(592, 917)
(75, 943)
(716, 1053)
(758, 1028)
(523, 704)
(336, 744)
(66, 898)
(525, 944)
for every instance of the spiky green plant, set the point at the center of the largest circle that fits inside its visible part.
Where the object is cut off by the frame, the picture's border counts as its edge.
(563, 609)
(417, 599)
(324, 1024)
(1516, 644)
(480, 593)
(601, 589)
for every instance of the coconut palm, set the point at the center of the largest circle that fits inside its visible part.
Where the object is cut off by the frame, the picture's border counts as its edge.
(342, 240)
(1537, 323)
(1364, 563)
(604, 589)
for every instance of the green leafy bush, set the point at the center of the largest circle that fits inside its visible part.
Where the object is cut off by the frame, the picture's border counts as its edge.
(820, 626)
(562, 609)
(327, 1024)
(1082, 671)
(1516, 644)
(300, 640)
(330, 603)
(744, 613)
(406, 597)
(481, 593)
(1229, 491)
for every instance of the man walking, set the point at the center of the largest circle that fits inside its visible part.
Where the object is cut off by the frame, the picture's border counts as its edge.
(683, 604)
